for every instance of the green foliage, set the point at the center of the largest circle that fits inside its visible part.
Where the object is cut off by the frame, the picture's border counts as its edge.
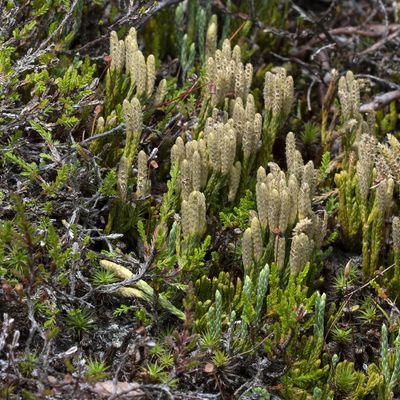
(42, 132)
(388, 122)
(342, 336)
(103, 277)
(19, 242)
(208, 340)
(109, 185)
(368, 313)
(96, 370)
(80, 321)
(141, 316)
(390, 366)
(351, 384)
(220, 359)
(194, 261)
(155, 372)
(288, 303)
(239, 217)
(310, 133)
(188, 52)
(332, 205)
(262, 288)
(324, 167)
(28, 365)
(345, 379)
(309, 367)
(28, 170)
(122, 310)
(349, 207)
(71, 81)
(168, 207)
(158, 370)
(344, 279)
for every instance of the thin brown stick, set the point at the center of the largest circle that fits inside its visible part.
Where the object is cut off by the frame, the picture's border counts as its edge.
(379, 274)
(104, 134)
(380, 43)
(381, 101)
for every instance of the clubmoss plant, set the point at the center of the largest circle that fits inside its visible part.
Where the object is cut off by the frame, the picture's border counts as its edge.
(225, 72)
(278, 96)
(284, 203)
(363, 206)
(396, 247)
(390, 364)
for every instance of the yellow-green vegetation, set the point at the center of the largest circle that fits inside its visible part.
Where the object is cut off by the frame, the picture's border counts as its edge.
(182, 215)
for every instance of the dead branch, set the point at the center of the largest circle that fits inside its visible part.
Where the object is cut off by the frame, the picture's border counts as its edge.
(380, 43)
(381, 101)
(129, 17)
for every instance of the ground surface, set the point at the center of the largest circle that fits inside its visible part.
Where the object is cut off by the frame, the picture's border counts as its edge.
(181, 314)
